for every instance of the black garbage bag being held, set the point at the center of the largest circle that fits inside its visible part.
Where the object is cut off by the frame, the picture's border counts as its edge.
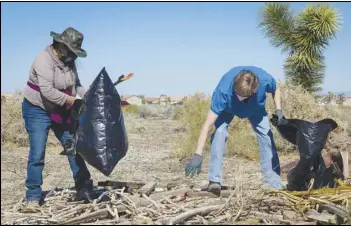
(101, 135)
(310, 139)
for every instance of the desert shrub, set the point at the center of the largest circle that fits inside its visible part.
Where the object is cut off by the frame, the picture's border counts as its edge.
(340, 98)
(150, 110)
(328, 98)
(296, 102)
(13, 132)
(345, 115)
(131, 110)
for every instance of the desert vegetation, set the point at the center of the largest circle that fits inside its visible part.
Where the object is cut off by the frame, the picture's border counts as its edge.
(297, 103)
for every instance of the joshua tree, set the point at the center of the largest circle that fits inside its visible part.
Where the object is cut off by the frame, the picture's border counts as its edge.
(304, 37)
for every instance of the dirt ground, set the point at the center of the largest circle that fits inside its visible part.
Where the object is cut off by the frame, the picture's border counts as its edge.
(149, 158)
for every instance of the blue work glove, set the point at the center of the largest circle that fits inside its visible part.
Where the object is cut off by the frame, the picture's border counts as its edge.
(194, 166)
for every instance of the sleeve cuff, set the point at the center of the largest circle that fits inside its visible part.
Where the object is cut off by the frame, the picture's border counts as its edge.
(215, 112)
(64, 100)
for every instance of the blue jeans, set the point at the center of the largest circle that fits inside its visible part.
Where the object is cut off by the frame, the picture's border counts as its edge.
(270, 166)
(38, 124)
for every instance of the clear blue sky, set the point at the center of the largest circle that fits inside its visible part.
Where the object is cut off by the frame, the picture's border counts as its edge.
(173, 48)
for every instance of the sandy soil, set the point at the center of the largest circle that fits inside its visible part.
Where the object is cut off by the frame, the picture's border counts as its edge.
(149, 158)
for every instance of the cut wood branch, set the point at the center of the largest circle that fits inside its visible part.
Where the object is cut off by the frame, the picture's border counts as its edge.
(221, 218)
(268, 217)
(227, 202)
(224, 194)
(121, 184)
(151, 201)
(238, 214)
(336, 210)
(191, 213)
(174, 204)
(147, 188)
(159, 196)
(322, 217)
(100, 214)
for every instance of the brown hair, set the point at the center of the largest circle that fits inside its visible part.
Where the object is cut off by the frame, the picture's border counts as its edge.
(246, 83)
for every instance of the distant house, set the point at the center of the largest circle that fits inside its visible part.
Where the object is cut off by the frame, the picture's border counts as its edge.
(177, 100)
(152, 100)
(131, 99)
(164, 100)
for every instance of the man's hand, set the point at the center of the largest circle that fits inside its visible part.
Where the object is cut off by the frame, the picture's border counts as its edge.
(194, 166)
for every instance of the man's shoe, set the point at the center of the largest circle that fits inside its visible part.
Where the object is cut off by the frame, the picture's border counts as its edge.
(32, 207)
(214, 188)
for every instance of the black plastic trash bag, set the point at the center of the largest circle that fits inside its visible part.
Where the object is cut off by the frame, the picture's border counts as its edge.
(310, 139)
(101, 136)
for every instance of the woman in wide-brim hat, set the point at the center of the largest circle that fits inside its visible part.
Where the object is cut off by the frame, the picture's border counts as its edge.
(50, 92)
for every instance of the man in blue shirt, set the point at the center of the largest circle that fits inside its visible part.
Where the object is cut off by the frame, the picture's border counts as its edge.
(241, 92)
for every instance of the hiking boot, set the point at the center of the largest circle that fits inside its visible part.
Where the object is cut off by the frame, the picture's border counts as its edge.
(32, 207)
(85, 192)
(214, 188)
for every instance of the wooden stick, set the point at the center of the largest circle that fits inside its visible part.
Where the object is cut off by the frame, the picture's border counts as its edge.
(109, 222)
(100, 214)
(191, 213)
(336, 210)
(262, 216)
(174, 204)
(202, 220)
(238, 214)
(323, 217)
(306, 223)
(151, 201)
(153, 211)
(125, 223)
(116, 213)
(100, 197)
(224, 194)
(227, 202)
(110, 210)
(159, 196)
(121, 184)
(221, 219)
(68, 215)
(147, 188)
(345, 160)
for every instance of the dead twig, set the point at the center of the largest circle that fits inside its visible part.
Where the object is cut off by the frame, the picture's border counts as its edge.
(191, 213)
(101, 214)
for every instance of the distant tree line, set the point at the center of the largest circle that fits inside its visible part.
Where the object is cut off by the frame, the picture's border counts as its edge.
(340, 98)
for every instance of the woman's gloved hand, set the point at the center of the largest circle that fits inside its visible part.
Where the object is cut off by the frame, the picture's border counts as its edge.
(281, 119)
(194, 165)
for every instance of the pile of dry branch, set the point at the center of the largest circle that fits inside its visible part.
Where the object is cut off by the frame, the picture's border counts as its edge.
(149, 204)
